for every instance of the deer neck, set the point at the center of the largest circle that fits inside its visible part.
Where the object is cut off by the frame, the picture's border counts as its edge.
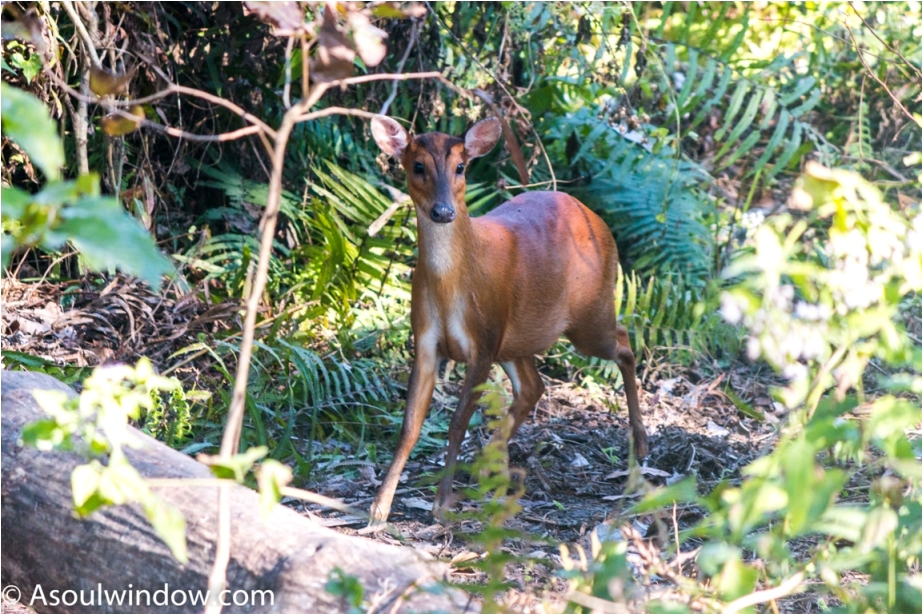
(448, 251)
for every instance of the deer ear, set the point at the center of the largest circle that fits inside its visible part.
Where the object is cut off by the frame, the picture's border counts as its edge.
(482, 137)
(389, 135)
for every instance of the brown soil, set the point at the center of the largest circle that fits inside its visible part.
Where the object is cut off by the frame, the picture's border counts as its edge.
(574, 454)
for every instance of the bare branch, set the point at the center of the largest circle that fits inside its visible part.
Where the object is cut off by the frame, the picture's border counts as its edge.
(876, 78)
(400, 65)
(81, 31)
(404, 77)
(882, 41)
(218, 576)
(336, 111)
(782, 590)
(286, 91)
(117, 107)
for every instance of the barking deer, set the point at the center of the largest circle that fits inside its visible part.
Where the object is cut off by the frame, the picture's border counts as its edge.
(498, 288)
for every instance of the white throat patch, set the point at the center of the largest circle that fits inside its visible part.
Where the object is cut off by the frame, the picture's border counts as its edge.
(438, 240)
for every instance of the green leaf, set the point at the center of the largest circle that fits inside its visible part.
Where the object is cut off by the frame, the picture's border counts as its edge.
(30, 68)
(7, 246)
(15, 202)
(681, 492)
(273, 476)
(110, 238)
(45, 435)
(842, 522)
(26, 120)
(735, 579)
(169, 525)
(802, 87)
(236, 467)
(745, 408)
(84, 482)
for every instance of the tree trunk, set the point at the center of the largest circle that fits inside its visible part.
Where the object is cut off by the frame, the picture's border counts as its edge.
(45, 545)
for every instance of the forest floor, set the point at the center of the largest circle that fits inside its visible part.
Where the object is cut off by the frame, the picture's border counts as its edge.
(573, 451)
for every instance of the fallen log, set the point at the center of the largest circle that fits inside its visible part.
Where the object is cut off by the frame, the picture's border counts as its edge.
(115, 553)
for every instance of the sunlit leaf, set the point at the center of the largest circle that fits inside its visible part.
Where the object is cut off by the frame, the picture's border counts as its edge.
(109, 238)
(271, 477)
(26, 121)
(169, 525)
(84, 482)
(235, 467)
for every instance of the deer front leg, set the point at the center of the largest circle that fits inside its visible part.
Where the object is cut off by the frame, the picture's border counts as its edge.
(419, 394)
(477, 373)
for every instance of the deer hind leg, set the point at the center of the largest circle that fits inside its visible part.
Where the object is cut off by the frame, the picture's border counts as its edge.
(605, 338)
(527, 389)
(477, 373)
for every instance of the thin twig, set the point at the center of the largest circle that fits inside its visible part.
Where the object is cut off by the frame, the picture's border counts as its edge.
(117, 107)
(541, 183)
(400, 65)
(81, 31)
(286, 91)
(230, 441)
(404, 77)
(883, 42)
(876, 78)
(336, 111)
(312, 497)
(218, 576)
(782, 590)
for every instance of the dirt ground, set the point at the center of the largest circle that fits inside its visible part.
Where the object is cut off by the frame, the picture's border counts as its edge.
(574, 453)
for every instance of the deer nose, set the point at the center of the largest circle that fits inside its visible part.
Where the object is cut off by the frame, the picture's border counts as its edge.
(442, 213)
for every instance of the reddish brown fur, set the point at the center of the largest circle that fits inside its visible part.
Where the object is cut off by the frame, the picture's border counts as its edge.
(501, 288)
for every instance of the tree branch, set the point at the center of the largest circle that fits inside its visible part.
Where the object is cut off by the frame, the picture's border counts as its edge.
(882, 41)
(400, 65)
(876, 78)
(81, 31)
(782, 590)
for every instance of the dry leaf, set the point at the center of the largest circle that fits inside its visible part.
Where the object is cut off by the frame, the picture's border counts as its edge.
(286, 18)
(463, 557)
(392, 10)
(369, 40)
(335, 54)
(650, 471)
(416, 503)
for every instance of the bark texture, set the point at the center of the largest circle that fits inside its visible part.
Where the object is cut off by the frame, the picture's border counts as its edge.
(45, 544)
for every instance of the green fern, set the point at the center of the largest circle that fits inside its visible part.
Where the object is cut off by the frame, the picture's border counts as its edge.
(170, 418)
(324, 253)
(652, 201)
(760, 107)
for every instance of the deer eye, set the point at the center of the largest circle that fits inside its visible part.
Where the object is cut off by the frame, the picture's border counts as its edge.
(418, 168)
(460, 169)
